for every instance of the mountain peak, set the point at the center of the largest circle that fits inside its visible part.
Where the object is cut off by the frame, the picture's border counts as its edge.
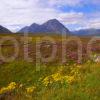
(4, 30)
(53, 21)
(34, 24)
(51, 26)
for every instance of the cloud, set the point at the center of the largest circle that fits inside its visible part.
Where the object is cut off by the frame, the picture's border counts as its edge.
(64, 2)
(71, 17)
(80, 20)
(92, 20)
(15, 14)
(25, 12)
(93, 23)
(70, 3)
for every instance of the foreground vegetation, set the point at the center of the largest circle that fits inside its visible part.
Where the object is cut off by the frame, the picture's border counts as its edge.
(20, 81)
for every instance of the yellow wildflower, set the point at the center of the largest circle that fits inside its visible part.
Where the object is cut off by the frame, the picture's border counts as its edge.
(9, 88)
(46, 81)
(56, 77)
(75, 71)
(12, 86)
(52, 78)
(30, 89)
(69, 79)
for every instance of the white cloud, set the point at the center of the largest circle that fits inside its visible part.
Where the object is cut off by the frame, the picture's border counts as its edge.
(80, 19)
(25, 12)
(15, 14)
(71, 17)
(93, 23)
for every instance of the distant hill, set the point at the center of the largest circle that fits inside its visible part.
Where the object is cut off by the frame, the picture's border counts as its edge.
(51, 26)
(87, 32)
(4, 30)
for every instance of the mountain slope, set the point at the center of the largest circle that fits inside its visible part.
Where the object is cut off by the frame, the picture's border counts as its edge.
(4, 30)
(87, 32)
(51, 26)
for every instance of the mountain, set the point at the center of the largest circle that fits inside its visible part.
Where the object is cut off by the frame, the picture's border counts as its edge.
(87, 32)
(4, 30)
(51, 26)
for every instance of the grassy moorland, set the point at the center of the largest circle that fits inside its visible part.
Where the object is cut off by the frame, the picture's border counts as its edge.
(19, 79)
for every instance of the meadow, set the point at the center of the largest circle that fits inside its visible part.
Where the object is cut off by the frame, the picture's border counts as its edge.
(71, 80)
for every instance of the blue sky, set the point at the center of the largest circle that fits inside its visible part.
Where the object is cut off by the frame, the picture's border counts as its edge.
(74, 14)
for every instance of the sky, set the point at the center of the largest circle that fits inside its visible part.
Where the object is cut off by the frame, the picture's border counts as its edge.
(74, 14)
